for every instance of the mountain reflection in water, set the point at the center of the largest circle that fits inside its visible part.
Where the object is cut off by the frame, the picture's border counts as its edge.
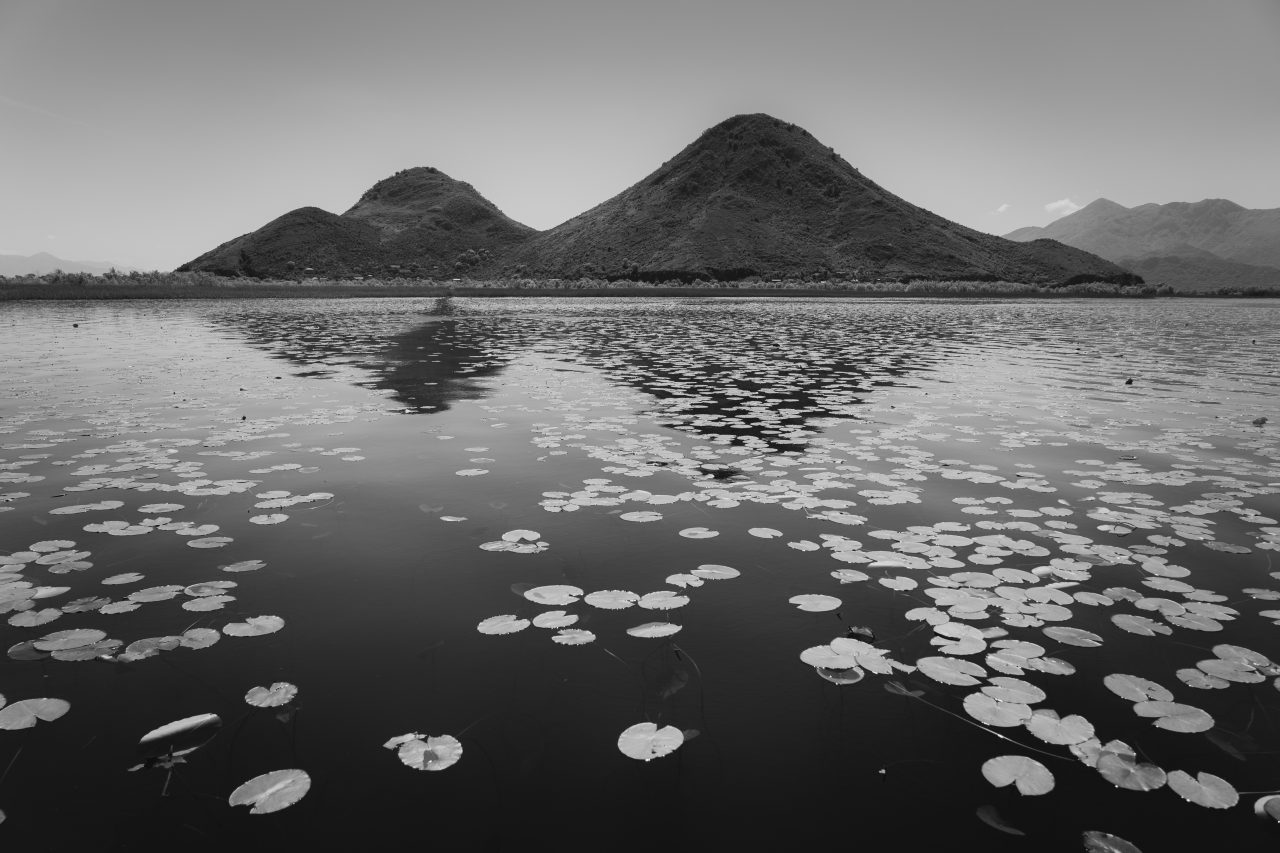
(767, 378)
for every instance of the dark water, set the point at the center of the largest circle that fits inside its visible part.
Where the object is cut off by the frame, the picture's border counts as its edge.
(987, 467)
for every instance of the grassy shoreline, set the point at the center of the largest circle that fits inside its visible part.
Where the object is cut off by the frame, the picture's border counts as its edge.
(206, 286)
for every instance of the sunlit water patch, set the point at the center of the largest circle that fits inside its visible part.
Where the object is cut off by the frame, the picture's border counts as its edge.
(696, 573)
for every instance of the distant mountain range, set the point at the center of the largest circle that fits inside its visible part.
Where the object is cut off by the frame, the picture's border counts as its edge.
(1192, 246)
(43, 262)
(752, 196)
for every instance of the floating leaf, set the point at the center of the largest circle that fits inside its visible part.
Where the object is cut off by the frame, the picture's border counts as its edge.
(155, 593)
(961, 673)
(612, 599)
(663, 600)
(208, 603)
(851, 675)
(199, 638)
(1140, 625)
(178, 738)
(127, 577)
(984, 709)
(69, 639)
(1073, 636)
(279, 693)
(654, 629)
(712, 572)
(826, 657)
(1135, 688)
(554, 619)
(1175, 717)
(555, 594)
(900, 584)
(1103, 842)
(423, 752)
(1123, 772)
(1005, 689)
(815, 603)
(1268, 807)
(23, 714)
(1212, 792)
(218, 542)
(272, 791)
(254, 626)
(244, 566)
(645, 741)
(33, 618)
(507, 623)
(641, 517)
(573, 637)
(1050, 728)
(1029, 776)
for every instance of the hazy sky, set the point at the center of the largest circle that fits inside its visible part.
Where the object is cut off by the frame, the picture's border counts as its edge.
(145, 132)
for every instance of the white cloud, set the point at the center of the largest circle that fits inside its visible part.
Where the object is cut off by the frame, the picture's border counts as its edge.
(1002, 208)
(1061, 207)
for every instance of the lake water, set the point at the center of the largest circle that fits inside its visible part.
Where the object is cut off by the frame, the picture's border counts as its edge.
(1061, 512)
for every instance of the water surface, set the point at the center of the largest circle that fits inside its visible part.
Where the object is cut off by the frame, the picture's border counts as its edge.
(1049, 492)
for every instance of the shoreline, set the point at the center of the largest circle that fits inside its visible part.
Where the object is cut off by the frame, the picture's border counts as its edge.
(64, 286)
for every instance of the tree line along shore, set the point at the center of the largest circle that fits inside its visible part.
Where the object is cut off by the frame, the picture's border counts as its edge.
(201, 285)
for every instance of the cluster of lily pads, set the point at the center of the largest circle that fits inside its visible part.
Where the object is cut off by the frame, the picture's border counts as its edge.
(1004, 558)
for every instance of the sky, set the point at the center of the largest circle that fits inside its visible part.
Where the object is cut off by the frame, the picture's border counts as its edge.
(146, 132)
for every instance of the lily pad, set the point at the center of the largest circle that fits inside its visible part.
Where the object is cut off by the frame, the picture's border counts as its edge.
(1050, 728)
(554, 594)
(1212, 792)
(993, 712)
(69, 639)
(23, 714)
(424, 752)
(1105, 842)
(713, 572)
(612, 599)
(573, 637)
(272, 791)
(254, 626)
(279, 693)
(961, 673)
(179, 737)
(1029, 776)
(1135, 688)
(507, 623)
(645, 741)
(1124, 772)
(654, 629)
(815, 603)
(1175, 716)
(554, 619)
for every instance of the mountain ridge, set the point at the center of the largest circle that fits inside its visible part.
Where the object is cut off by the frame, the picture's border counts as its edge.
(750, 196)
(1218, 226)
(43, 263)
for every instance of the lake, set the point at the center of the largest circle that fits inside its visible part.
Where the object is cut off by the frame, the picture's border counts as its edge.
(853, 562)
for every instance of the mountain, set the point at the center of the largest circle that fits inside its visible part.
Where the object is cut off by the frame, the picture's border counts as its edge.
(752, 196)
(757, 196)
(1216, 242)
(1195, 272)
(43, 262)
(416, 222)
